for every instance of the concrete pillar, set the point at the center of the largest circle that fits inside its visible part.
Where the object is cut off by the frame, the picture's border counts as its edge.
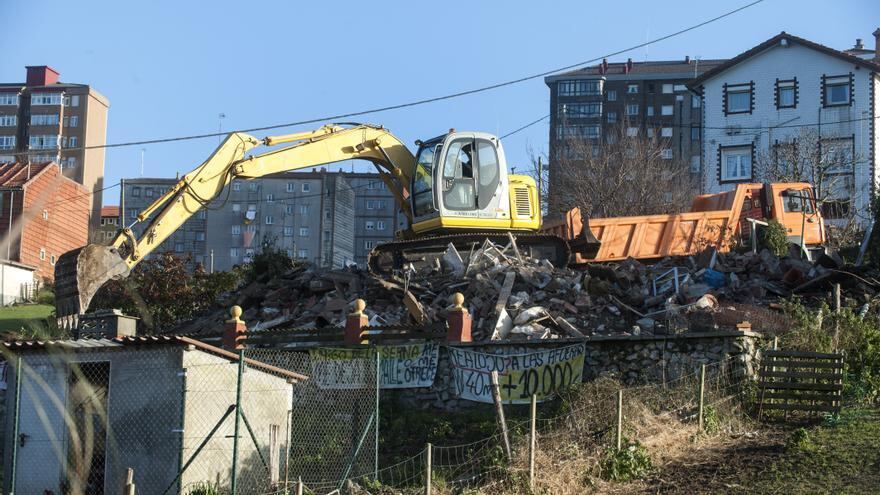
(356, 323)
(234, 331)
(458, 320)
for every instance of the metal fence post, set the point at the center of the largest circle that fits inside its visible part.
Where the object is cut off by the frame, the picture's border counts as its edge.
(15, 424)
(234, 477)
(532, 441)
(129, 482)
(376, 414)
(619, 419)
(428, 474)
(702, 393)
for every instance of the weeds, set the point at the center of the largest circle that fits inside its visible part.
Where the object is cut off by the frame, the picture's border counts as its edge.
(629, 463)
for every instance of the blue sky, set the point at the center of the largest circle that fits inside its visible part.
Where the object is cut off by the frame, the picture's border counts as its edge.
(170, 67)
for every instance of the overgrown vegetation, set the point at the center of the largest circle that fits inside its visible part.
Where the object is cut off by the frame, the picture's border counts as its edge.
(774, 238)
(29, 322)
(268, 262)
(631, 462)
(206, 488)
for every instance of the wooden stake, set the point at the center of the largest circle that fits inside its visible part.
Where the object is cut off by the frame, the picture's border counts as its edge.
(299, 486)
(619, 419)
(499, 411)
(428, 470)
(532, 441)
(702, 392)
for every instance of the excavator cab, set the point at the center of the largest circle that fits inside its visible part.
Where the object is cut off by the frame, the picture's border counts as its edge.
(460, 182)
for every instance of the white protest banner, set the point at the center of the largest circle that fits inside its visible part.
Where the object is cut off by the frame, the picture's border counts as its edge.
(541, 373)
(401, 366)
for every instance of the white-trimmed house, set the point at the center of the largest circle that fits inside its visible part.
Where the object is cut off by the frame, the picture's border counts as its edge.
(770, 93)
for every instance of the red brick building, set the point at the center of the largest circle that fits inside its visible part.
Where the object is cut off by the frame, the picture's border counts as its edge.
(43, 214)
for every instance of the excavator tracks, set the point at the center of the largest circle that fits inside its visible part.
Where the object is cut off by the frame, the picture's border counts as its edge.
(385, 258)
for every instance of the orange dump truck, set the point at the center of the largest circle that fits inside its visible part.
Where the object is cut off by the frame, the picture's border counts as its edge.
(717, 220)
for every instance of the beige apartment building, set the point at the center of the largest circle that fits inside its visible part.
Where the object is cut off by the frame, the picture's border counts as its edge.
(46, 120)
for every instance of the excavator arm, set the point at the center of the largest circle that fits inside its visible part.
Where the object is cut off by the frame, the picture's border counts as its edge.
(81, 272)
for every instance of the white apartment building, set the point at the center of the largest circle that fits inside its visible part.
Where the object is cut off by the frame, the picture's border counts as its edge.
(769, 94)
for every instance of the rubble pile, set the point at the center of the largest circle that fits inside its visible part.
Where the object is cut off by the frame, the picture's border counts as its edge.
(512, 296)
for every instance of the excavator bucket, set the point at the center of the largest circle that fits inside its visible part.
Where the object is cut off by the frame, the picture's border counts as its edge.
(80, 273)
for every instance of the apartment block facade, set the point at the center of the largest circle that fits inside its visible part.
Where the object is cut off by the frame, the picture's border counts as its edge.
(771, 95)
(109, 226)
(43, 214)
(45, 120)
(649, 98)
(332, 219)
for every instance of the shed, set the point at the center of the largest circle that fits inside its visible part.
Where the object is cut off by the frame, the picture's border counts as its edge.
(89, 409)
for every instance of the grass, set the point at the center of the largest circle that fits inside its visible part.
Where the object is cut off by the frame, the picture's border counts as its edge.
(29, 320)
(842, 456)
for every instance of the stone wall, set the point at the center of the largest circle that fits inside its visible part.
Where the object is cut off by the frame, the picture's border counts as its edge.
(632, 359)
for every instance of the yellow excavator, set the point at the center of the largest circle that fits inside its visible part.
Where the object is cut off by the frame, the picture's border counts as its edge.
(455, 190)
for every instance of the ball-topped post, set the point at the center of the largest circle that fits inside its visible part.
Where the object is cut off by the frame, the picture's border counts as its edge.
(234, 330)
(458, 320)
(355, 323)
(358, 307)
(235, 313)
(458, 302)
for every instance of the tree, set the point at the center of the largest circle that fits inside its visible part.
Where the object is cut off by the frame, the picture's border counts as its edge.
(826, 162)
(162, 291)
(624, 173)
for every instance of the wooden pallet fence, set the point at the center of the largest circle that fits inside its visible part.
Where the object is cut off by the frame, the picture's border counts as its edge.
(800, 381)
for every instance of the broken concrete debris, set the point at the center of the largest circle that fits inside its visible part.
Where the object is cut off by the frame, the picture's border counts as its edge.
(513, 296)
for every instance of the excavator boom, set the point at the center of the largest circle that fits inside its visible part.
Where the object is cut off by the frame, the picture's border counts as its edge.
(81, 272)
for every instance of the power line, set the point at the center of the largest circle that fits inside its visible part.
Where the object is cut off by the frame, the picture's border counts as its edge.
(511, 133)
(425, 100)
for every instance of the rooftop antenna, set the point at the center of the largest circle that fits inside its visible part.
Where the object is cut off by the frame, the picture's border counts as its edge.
(143, 150)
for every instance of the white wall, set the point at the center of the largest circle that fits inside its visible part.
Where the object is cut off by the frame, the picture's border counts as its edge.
(808, 66)
(11, 278)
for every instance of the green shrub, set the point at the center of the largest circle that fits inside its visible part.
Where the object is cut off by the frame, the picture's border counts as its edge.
(46, 297)
(269, 262)
(775, 239)
(205, 488)
(711, 421)
(629, 463)
(800, 440)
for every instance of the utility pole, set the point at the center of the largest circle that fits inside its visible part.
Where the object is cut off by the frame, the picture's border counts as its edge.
(121, 203)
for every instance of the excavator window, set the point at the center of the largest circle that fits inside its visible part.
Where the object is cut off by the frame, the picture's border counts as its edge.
(487, 159)
(459, 191)
(423, 181)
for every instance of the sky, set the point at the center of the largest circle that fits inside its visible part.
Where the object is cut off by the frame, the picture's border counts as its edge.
(170, 68)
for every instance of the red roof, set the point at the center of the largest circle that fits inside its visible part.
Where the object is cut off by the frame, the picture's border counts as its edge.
(110, 211)
(17, 174)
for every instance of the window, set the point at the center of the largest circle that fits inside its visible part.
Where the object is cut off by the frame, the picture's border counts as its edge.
(632, 88)
(736, 163)
(632, 109)
(666, 132)
(380, 225)
(71, 101)
(574, 131)
(132, 213)
(632, 131)
(233, 252)
(306, 187)
(303, 231)
(738, 99)
(679, 87)
(44, 119)
(612, 117)
(650, 132)
(288, 231)
(200, 236)
(42, 254)
(327, 214)
(786, 94)
(45, 214)
(270, 220)
(236, 185)
(69, 162)
(251, 227)
(369, 225)
(178, 247)
(290, 253)
(372, 184)
(695, 164)
(236, 207)
(52, 260)
(8, 120)
(666, 154)
(649, 110)
(580, 110)
(236, 230)
(74, 121)
(667, 89)
(8, 98)
(252, 207)
(7, 143)
(43, 142)
(304, 210)
(135, 192)
(380, 204)
(695, 133)
(303, 253)
(288, 209)
(580, 88)
(252, 186)
(651, 88)
(666, 110)
(836, 90)
(46, 99)
(837, 156)
(612, 95)
(369, 244)
(695, 101)
(71, 142)
(371, 205)
(290, 187)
